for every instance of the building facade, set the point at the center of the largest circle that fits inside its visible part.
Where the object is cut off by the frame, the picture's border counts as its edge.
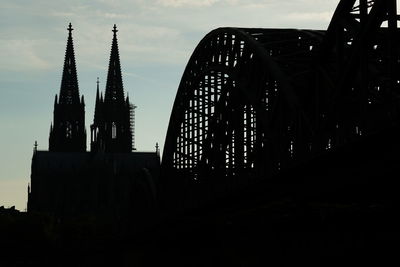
(109, 179)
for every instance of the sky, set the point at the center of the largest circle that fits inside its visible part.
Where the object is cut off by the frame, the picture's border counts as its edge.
(156, 39)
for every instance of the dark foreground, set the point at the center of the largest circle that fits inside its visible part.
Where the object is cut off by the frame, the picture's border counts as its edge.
(341, 209)
(278, 233)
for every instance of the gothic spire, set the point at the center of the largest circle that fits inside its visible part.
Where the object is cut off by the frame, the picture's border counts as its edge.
(114, 87)
(97, 108)
(69, 92)
(111, 130)
(97, 92)
(68, 133)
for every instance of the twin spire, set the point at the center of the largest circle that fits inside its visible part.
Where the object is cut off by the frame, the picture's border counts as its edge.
(69, 92)
(114, 87)
(112, 128)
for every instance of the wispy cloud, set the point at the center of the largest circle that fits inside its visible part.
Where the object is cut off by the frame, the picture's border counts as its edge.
(187, 3)
(150, 30)
(19, 55)
(309, 16)
(62, 14)
(115, 16)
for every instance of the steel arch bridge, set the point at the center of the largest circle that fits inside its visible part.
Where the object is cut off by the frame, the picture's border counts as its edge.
(254, 102)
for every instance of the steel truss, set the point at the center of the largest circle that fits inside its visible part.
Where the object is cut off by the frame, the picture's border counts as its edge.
(252, 102)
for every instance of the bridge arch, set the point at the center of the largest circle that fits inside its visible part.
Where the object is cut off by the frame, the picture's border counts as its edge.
(253, 102)
(238, 104)
(359, 66)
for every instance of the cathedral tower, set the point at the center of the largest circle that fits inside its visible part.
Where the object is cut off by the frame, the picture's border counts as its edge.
(67, 133)
(111, 130)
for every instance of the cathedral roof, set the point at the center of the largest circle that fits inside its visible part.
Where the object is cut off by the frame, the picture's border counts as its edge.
(47, 162)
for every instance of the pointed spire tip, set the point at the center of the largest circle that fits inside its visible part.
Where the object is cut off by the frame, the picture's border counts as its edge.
(70, 29)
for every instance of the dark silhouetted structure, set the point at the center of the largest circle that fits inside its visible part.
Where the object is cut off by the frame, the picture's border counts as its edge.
(257, 104)
(282, 148)
(110, 180)
(254, 103)
(111, 130)
(68, 133)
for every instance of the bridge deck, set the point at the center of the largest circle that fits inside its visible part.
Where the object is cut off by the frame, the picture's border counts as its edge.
(342, 206)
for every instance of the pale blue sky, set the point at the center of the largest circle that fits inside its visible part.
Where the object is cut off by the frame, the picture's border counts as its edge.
(156, 39)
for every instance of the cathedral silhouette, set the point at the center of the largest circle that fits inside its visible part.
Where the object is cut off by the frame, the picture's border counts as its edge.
(112, 179)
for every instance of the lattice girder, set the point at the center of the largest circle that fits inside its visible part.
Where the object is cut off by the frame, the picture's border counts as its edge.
(236, 105)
